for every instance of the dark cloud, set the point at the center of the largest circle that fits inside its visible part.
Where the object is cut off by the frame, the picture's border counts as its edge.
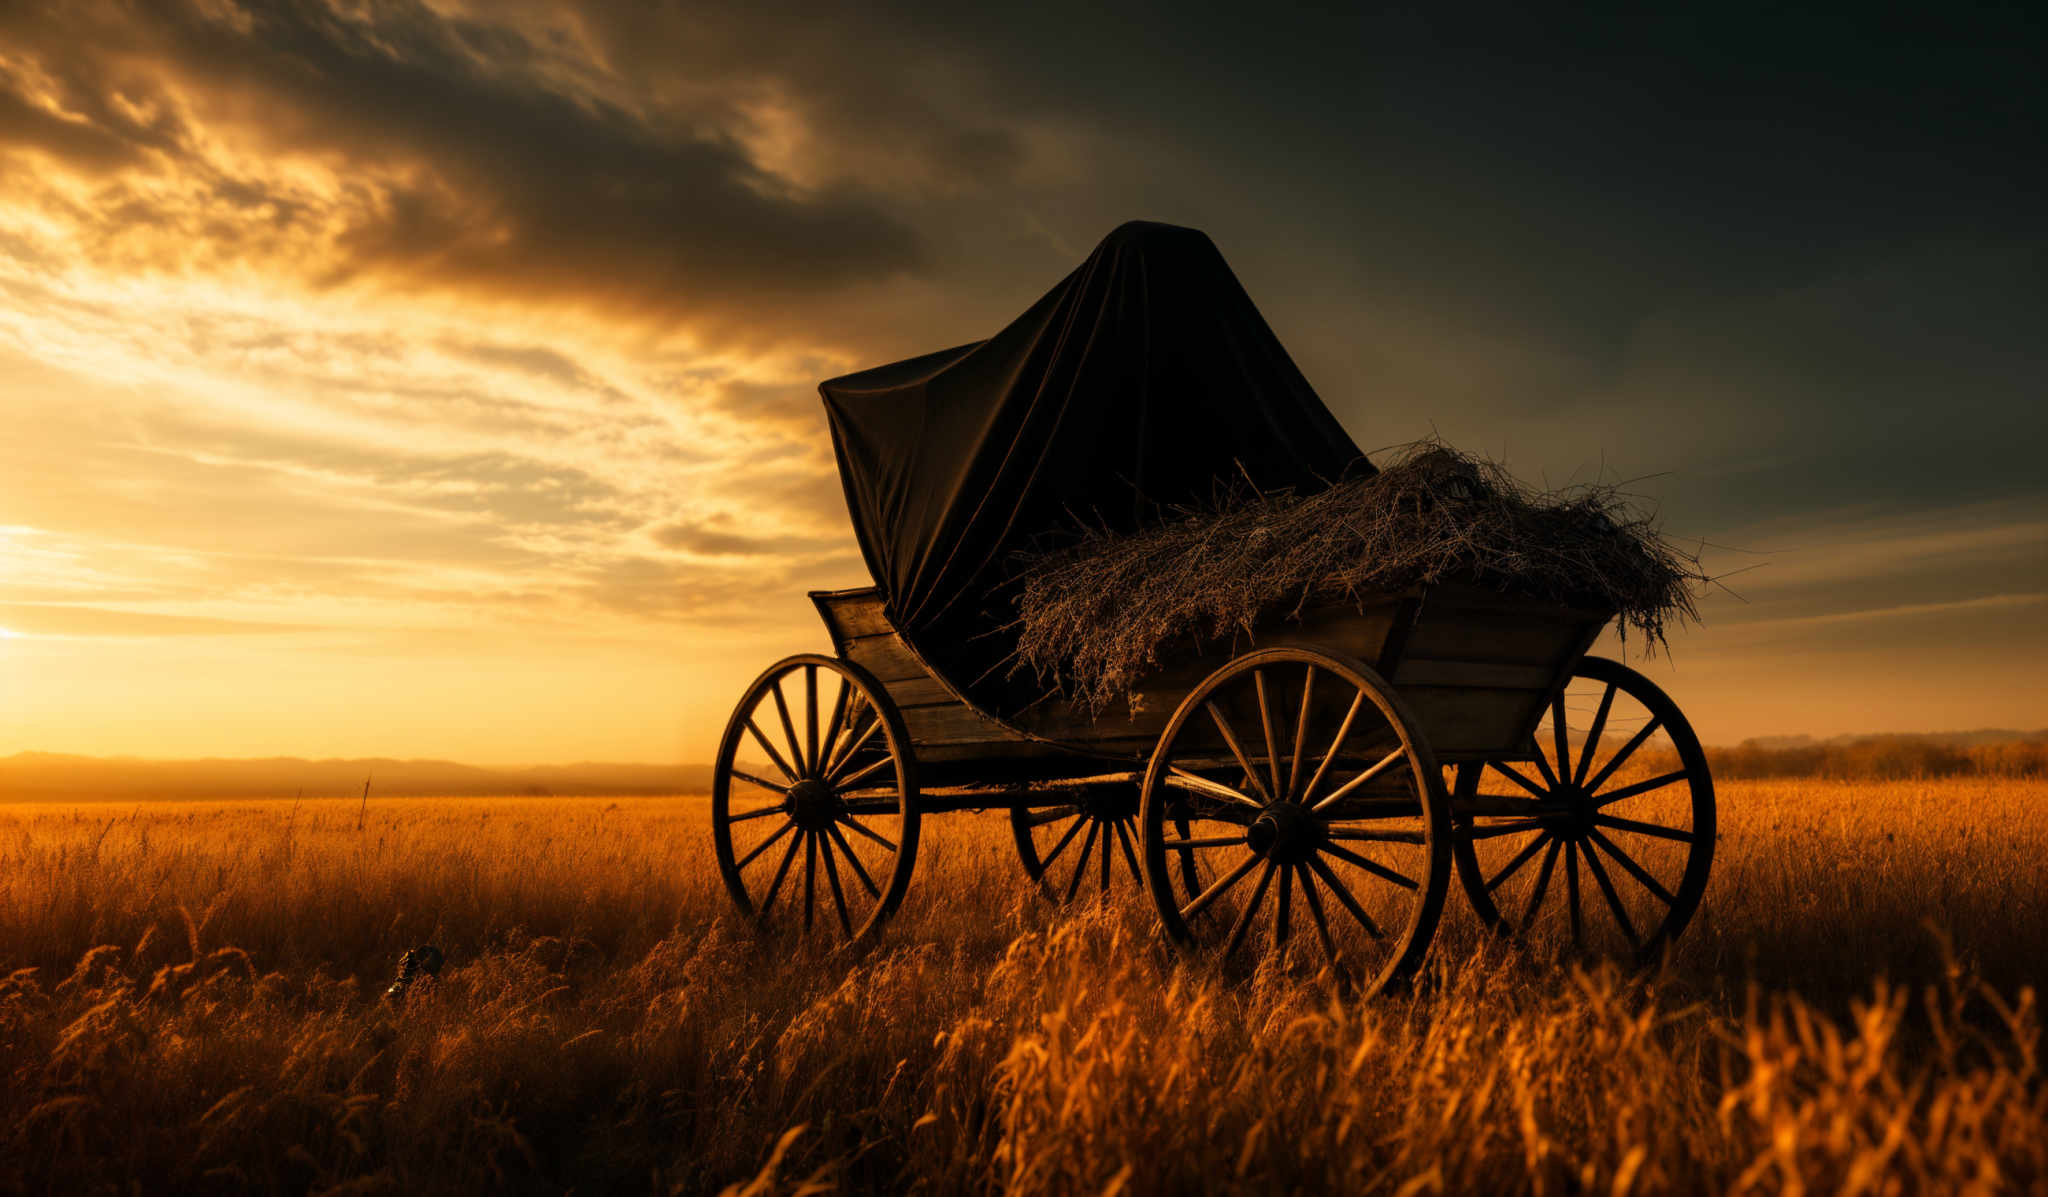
(460, 167)
(77, 143)
(718, 536)
(537, 360)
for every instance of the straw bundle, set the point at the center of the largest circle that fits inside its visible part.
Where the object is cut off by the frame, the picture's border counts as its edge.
(1098, 615)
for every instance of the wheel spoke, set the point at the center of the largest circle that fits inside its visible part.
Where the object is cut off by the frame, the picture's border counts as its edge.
(763, 846)
(757, 813)
(1266, 723)
(835, 752)
(1634, 870)
(1375, 837)
(1386, 762)
(1501, 768)
(1224, 882)
(1280, 913)
(1343, 896)
(837, 723)
(1315, 909)
(1045, 865)
(1230, 738)
(1543, 767)
(768, 748)
(1642, 787)
(1640, 828)
(1214, 789)
(850, 821)
(1207, 841)
(1244, 919)
(1081, 865)
(1343, 731)
(1369, 865)
(1308, 685)
(853, 861)
(1051, 814)
(1496, 830)
(766, 785)
(1123, 839)
(1107, 830)
(1571, 885)
(811, 720)
(863, 773)
(1542, 884)
(781, 871)
(1521, 858)
(796, 748)
(810, 878)
(1591, 747)
(844, 755)
(1599, 872)
(1558, 733)
(1614, 762)
(838, 894)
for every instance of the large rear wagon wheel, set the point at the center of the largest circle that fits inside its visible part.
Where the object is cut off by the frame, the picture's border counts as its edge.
(1606, 838)
(1297, 788)
(814, 809)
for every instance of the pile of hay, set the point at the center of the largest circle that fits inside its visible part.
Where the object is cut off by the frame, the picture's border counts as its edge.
(1098, 615)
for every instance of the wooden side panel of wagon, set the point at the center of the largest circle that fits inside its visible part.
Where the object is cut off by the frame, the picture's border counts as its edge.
(1476, 669)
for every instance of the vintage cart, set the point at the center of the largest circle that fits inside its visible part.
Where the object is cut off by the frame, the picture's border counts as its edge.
(1306, 790)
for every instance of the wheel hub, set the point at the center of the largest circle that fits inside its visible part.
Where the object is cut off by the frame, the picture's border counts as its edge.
(1286, 833)
(1575, 819)
(813, 804)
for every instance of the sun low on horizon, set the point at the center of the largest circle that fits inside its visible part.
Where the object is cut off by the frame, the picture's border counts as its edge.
(440, 379)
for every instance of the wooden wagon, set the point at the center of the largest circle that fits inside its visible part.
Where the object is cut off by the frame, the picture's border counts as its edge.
(1306, 790)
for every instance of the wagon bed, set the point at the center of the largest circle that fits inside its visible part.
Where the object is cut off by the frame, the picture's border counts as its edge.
(1477, 669)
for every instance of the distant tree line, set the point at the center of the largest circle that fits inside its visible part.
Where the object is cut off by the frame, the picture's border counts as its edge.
(1882, 758)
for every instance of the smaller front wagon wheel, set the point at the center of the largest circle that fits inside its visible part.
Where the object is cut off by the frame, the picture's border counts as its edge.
(814, 810)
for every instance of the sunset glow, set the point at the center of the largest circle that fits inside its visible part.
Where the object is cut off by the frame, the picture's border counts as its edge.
(439, 380)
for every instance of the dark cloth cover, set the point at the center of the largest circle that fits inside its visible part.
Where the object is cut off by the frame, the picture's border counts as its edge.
(1145, 379)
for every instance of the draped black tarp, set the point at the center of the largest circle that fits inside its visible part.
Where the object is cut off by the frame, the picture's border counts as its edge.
(1145, 379)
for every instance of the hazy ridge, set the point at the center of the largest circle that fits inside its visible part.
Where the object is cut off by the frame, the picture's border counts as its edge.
(35, 776)
(43, 775)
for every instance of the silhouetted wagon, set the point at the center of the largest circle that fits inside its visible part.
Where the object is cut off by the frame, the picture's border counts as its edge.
(1307, 790)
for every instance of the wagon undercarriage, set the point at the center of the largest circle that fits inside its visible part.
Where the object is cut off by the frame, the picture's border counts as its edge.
(1289, 802)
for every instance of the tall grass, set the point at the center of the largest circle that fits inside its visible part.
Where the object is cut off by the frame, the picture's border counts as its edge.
(190, 1004)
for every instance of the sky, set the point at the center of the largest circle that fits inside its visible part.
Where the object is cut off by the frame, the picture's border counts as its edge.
(438, 379)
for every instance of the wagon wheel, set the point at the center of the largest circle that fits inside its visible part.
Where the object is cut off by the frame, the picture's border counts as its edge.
(1639, 825)
(825, 776)
(1299, 770)
(1088, 845)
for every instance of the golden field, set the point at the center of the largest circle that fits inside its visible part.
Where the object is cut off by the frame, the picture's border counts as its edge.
(189, 1002)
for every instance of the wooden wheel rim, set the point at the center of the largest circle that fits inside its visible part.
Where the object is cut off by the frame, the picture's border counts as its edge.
(1300, 849)
(1600, 883)
(840, 765)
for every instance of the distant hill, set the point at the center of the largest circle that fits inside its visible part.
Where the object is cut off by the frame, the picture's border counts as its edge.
(42, 775)
(1954, 739)
(45, 776)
